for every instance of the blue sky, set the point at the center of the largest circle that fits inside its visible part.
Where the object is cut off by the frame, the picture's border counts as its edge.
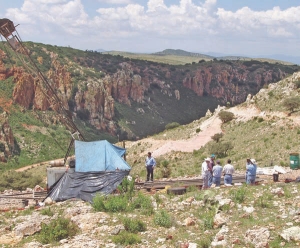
(236, 27)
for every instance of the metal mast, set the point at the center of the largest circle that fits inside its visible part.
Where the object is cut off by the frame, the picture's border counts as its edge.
(9, 32)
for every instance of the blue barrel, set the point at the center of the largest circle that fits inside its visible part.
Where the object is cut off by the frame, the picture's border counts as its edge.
(294, 161)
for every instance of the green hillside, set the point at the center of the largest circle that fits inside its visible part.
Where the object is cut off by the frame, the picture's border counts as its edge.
(39, 138)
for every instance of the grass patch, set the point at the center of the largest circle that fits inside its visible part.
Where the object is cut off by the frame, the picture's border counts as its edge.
(57, 229)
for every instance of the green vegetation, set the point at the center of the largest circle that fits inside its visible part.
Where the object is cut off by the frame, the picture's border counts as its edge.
(226, 116)
(133, 225)
(47, 211)
(126, 238)
(172, 125)
(292, 103)
(163, 218)
(217, 137)
(19, 180)
(165, 169)
(110, 203)
(56, 230)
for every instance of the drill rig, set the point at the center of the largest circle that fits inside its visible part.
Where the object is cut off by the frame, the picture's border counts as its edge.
(9, 32)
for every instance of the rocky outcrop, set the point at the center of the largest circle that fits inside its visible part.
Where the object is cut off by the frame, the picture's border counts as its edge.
(127, 81)
(6, 138)
(230, 82)
(5, 72)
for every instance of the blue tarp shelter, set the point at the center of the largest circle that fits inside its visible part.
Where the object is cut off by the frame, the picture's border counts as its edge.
(99, 168)
(99, 156)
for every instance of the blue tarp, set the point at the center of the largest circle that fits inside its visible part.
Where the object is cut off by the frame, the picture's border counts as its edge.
(96, 156)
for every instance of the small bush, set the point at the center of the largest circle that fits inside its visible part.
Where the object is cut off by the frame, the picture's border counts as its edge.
(162, 218)
(198, 130)
(144, 203)
(126, 238)
(292, 103)
(260, 119)
(205, 242)
(226, 116)
(217, 137)
(238, 195)
(134, 225)
(57, 229)
(47, 211)
(110, 203)
(19, 180)
(165, 170)
(297, 84)
(127, 187)
(221, 149)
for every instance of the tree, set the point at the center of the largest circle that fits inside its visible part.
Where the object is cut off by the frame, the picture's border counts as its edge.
(217, 137)
(226, 116)
(221, 148)
(292, 103)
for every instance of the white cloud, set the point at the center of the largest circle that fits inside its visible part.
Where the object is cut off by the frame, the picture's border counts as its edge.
(122, 2)
(185, 22)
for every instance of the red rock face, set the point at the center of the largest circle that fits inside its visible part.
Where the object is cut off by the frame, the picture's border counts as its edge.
(6, 138)
(225, 81)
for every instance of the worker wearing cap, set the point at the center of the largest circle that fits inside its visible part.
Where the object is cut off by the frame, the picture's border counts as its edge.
(250, 171)
(205, 173)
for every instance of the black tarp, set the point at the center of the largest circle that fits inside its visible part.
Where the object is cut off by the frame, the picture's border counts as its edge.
(85, 185)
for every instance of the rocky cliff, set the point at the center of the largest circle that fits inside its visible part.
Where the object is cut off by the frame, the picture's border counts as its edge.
(89, 85)
(7, 147)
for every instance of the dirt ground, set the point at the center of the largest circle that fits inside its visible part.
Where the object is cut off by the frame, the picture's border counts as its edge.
(209, 127)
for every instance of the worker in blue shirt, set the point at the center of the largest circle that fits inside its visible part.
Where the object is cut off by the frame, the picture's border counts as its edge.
(150, 164)
(251, 168)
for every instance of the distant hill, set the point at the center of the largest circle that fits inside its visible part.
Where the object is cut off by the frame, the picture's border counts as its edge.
(100, 50)
(180, 52)
(283, 57)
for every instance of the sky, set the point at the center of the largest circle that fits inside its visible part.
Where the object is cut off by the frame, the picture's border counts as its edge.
(232, 27)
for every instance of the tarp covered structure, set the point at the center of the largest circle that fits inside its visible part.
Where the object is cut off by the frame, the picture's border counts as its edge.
(99, 168)
(85, 185)
(99, 156)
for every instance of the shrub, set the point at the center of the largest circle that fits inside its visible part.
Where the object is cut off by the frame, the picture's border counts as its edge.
(134, 225)
(165, 170)
(221, 148)
(19, 180)
(126, 238)
(297, 84)
(98, 203)
(205, 242)
(57, 229)
(238, 195)
(217, 137)
(162, 218)
(291, 103)
(127, 187)
(260, 119)
(109, 203)
(144, 203)
(226, 116)
(172, 125)
(47, 211)
(198, 130)
(208, 220)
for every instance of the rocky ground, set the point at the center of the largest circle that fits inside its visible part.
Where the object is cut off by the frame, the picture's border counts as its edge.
(271, 222)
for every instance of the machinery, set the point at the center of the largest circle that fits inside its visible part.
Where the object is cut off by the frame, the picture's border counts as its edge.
(9, 32)
(104, 179)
